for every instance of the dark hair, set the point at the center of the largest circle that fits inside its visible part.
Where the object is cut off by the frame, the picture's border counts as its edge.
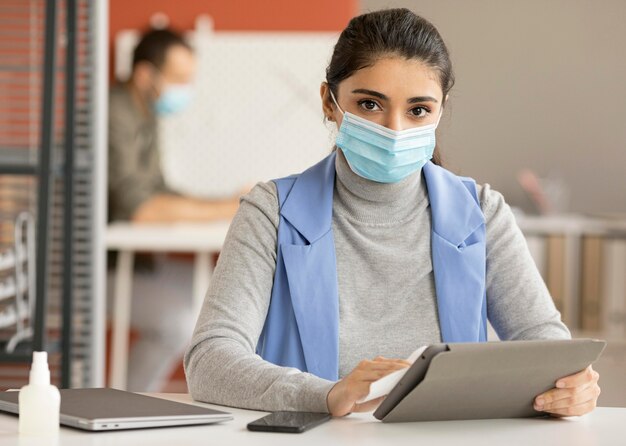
(154, 44)
(400, 32)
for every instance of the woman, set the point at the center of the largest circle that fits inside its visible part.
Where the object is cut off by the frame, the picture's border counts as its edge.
(374, 251)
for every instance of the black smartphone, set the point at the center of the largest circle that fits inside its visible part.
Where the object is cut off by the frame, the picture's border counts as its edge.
(290, 422)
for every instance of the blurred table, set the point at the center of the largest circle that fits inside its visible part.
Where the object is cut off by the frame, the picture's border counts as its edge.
(572, 227)
(201, 239)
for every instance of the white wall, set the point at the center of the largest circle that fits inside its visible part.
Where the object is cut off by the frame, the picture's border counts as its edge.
(540, 84)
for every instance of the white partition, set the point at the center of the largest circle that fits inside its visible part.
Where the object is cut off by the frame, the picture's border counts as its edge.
(256, 113)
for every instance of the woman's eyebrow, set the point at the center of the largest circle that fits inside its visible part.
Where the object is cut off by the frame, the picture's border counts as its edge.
(421, 99)
(371, 93)
(383, 97)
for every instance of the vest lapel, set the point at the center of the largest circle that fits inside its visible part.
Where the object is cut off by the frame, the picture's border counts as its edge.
(458, 251)
(311, 267)
(309, 205)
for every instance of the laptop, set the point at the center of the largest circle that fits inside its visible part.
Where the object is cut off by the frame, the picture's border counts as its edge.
(109, 409)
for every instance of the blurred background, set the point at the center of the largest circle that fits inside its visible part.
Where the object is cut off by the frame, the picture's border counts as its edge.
(128, 130)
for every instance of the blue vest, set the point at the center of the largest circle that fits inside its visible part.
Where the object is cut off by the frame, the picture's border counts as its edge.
(302, 325)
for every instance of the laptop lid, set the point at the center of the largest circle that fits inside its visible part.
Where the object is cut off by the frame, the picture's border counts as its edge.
(110, 409)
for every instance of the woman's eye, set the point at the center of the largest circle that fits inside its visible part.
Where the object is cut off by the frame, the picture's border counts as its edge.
(419, 112)
(368, 105)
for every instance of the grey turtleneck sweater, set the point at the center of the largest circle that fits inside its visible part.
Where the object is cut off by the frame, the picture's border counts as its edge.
(387, 302)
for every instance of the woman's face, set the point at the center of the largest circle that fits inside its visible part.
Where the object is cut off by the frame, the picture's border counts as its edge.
(395, 92)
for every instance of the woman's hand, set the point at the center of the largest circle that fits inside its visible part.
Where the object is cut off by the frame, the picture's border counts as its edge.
(342, 398)
(574, 395)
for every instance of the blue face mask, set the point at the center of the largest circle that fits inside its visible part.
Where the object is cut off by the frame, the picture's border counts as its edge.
(173, 99)
(381, 154)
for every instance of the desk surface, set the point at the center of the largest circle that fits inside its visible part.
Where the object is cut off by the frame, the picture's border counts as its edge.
(200, 237)
(604, 426)
(185, 237)
(575, 224)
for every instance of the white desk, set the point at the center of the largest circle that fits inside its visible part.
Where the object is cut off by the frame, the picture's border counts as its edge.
(203, 240)
(604, 426)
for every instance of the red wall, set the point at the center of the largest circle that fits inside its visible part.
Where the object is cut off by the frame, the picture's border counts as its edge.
(235, 15)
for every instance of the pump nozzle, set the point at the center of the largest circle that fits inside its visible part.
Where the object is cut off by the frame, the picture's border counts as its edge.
(39, 371)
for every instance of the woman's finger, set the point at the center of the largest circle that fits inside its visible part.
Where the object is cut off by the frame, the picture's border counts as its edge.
(554, 395)
(582, 396)
(378, 365)
(382, 366)
(557, 394)
(578, 379)
(391, 360)
(359, 381)
(573, 411)
(373, 375)
(380, 360)
(369, 405)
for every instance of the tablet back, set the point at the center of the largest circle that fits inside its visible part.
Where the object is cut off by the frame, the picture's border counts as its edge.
(492, 379)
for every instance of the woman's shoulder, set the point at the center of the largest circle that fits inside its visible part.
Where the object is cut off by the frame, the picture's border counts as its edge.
(493, 203)
(263, 197)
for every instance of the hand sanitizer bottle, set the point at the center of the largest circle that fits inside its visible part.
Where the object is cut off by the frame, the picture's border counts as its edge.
(39, 401)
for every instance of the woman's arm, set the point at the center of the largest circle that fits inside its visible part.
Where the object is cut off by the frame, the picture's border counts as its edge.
(519, 305)
(221, 364)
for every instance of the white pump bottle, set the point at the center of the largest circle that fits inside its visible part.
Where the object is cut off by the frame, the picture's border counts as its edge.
(39, 401)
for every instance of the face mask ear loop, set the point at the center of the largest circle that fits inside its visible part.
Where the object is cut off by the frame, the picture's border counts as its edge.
(335, 100)
(439, 118)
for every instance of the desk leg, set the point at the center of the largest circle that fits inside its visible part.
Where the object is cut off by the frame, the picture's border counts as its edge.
(121, 320)
(571, 290)
(203, 269)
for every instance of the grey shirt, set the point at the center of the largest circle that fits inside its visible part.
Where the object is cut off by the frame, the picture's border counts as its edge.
(134, 173)
(387, 300)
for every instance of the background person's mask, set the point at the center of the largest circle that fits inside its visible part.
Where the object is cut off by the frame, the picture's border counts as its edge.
(173, 99)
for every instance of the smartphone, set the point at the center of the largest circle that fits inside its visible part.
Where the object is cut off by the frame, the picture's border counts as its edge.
(290, 422)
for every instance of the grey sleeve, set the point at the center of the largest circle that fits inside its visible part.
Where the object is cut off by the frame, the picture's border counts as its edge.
(519, 305)
(220, 364)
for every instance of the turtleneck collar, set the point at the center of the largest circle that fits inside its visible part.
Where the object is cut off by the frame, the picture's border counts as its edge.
(378, 203)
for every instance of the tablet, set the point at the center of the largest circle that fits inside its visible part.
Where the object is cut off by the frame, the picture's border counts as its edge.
(110, 409)
(485, 379)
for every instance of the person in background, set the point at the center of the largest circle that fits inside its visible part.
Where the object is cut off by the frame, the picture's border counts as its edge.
(159, 85)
